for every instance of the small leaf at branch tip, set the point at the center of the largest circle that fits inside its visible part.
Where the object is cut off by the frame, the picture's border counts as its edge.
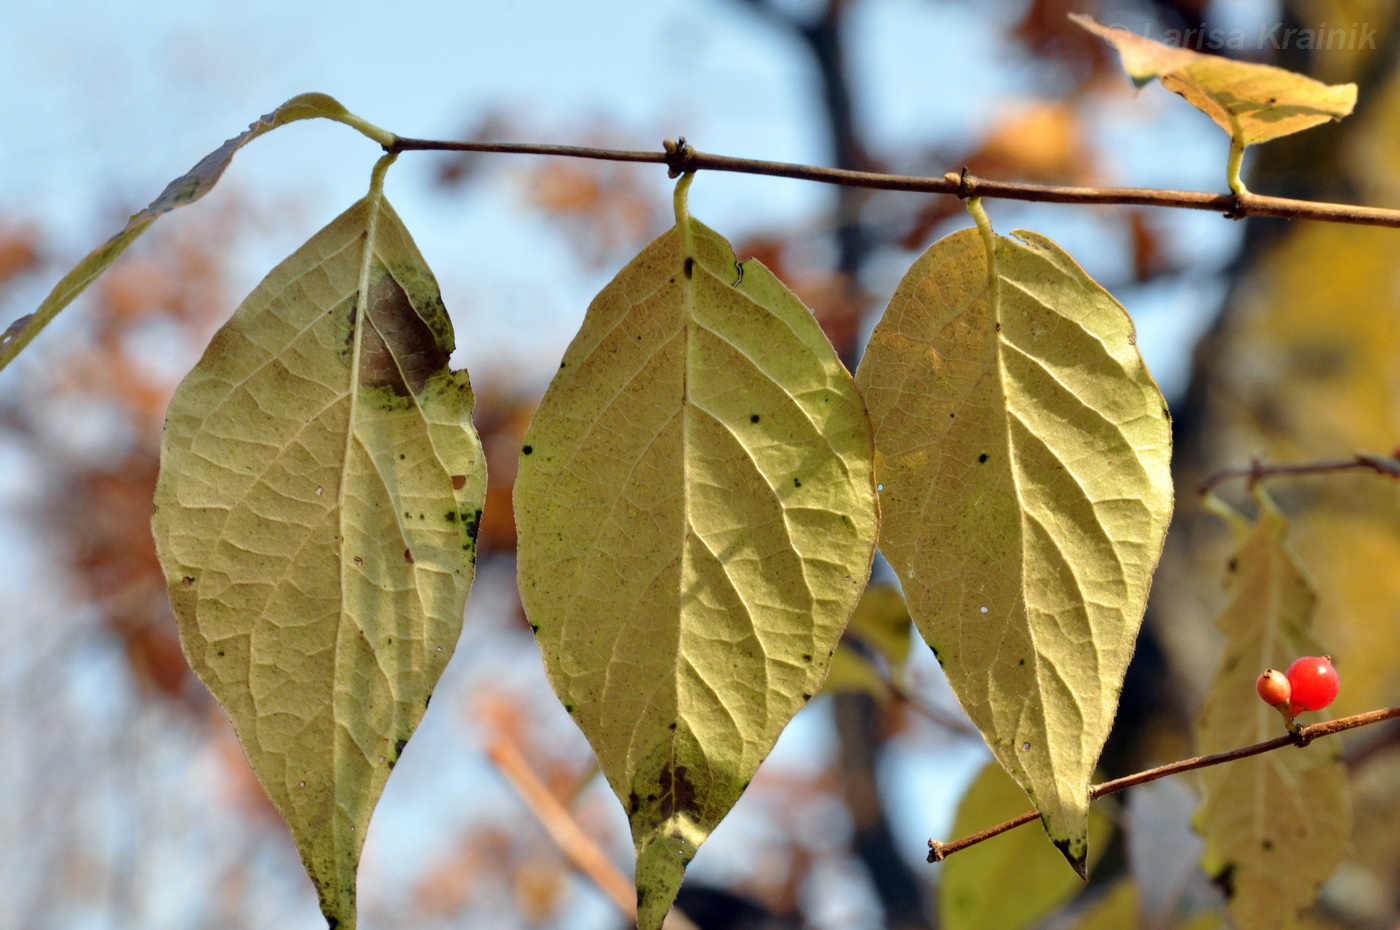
(1253, 103)
(184, 190)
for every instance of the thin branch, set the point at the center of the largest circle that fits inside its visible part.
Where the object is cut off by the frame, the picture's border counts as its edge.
(1258, 471)
(680, 157)
(576, 845)
(937, 851)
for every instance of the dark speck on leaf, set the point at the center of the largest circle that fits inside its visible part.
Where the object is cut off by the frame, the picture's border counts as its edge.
(982, 457)
(398, 747)
(187, 580)
(527, 450)
(689, 267)
(806, 657)
(753, 418)
(797, 482)
(451, 516)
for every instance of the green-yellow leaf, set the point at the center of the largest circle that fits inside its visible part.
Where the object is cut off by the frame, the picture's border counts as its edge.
(1023, 450)
(875, 646)
(696, 509)
(180, 192)
(1013, 880)
(1252, 102)
(1115, 910)
(320, 489)
(1261, 814)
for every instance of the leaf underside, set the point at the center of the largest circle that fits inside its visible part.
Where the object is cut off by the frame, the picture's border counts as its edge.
(184, 190)
(1259, 813)
(697, 518)
(1023, 451)
(316, 515)
(1252, 102)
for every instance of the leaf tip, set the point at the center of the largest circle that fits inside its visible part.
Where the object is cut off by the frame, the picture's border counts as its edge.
(661, 864)
(1076, 853)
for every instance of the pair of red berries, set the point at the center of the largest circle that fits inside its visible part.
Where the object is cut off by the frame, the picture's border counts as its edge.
(1310, 683)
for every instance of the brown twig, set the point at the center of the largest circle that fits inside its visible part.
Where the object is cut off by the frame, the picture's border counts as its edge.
(1259, 471)
(683, 158)
(937, 851)
(576, 845)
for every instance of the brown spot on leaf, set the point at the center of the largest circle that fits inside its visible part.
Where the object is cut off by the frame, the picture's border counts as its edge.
(677, 791)
(408, 556)
(397, 349)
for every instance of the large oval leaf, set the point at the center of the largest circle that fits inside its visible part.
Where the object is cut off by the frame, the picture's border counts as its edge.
(1277, 824)
(697, 517)
(1023, 451)
(316, 516)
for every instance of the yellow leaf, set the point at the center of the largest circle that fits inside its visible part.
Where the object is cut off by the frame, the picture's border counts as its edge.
(320, 489)
(1013, 880)
(1116, 909)
(697, 516)
(1253, 103)
(1276, 824)
(1023, 451)
(184, 190)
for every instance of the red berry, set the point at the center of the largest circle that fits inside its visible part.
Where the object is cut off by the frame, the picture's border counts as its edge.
(1314, 683)
(1273, 687)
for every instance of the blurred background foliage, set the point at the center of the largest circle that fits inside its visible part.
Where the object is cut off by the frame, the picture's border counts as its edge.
(127, 802)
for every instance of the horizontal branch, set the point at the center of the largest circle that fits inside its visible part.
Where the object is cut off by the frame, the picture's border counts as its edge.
(1258, 471)
(937, 851)
(679, 157)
